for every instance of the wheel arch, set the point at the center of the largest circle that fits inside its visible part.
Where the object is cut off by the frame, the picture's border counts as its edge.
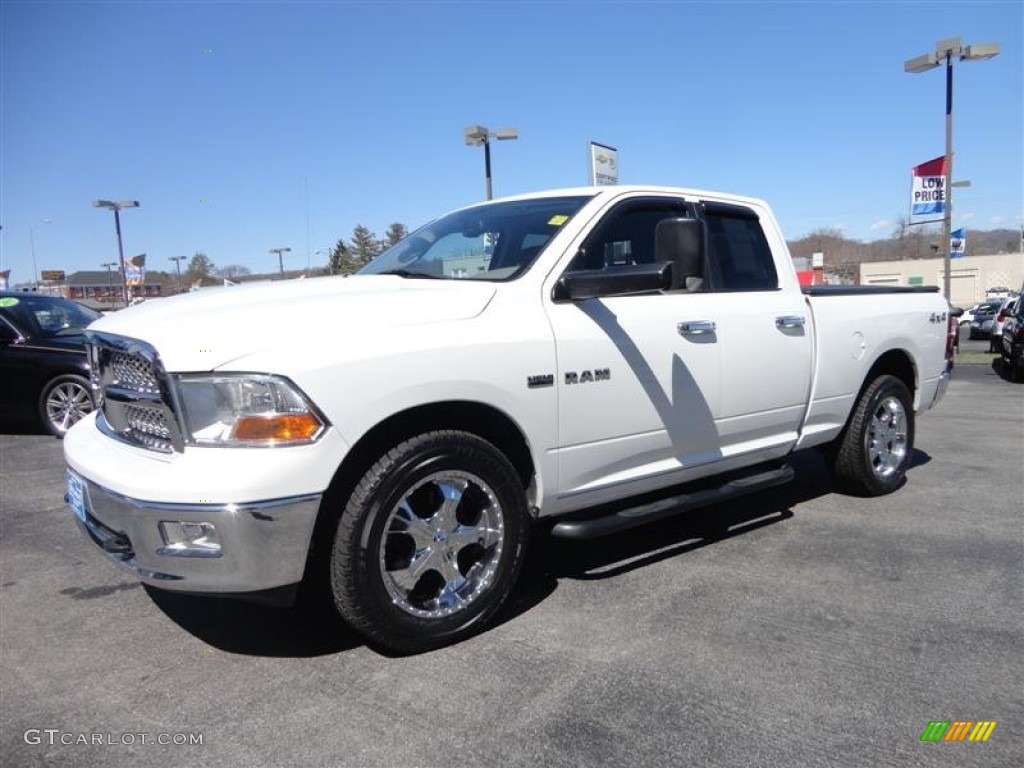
(483, 420)
(894, 362)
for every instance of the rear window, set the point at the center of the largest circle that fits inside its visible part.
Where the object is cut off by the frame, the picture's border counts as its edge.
(739, 255)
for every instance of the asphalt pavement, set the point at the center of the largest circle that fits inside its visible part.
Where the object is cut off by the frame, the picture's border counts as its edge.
(798, 627)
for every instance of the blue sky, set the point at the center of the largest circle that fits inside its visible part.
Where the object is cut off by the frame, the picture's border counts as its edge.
(243, 126)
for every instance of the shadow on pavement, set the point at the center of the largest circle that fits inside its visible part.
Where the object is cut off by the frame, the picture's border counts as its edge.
(312, 628)
(551, 559)
(252, 629)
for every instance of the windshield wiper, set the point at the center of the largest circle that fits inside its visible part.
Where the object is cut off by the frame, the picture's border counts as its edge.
(409, 273)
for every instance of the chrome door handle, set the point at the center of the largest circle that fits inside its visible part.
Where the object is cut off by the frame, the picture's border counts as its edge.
(789, 321)
(695, 327)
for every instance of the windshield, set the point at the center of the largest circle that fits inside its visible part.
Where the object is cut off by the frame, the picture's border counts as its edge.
(495, 241)
(45, 316)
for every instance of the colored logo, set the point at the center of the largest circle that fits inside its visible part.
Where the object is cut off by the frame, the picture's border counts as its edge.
(958, 730)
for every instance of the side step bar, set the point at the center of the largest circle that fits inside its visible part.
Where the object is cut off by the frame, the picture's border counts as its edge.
(623, 519)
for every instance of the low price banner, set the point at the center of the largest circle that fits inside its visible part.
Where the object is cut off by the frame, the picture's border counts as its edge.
(928, 193)
(135, 270)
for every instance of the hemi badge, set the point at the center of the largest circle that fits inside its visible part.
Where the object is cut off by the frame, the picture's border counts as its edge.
(545, 380)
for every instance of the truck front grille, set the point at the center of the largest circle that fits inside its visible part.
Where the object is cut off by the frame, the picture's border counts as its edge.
(133, 371)
(137, 405)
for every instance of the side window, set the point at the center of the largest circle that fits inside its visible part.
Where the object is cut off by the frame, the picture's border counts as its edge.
(738, 253)
(626, 236)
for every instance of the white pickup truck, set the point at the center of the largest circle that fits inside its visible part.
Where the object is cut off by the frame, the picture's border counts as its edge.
(394, 435)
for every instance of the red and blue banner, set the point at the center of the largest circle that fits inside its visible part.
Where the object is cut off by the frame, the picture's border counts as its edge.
(135, 270)
(928, 195)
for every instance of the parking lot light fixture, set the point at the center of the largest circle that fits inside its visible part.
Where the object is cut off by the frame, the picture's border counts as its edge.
(945, 51)
(476, 135)
(280, 258)
(177, 263)
(116, 208)
(110, 278)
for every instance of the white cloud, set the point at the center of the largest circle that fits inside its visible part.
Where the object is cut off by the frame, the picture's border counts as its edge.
(997, 220)
(880, 224)
(966, 216)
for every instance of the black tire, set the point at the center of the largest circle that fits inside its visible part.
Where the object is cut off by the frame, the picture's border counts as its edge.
(871, 456)
(412, 572)
(64, 401)
(1016, 370)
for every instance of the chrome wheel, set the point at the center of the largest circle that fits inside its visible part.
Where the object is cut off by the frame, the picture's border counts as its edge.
(442, 544)
(887, 437)
(66, 402)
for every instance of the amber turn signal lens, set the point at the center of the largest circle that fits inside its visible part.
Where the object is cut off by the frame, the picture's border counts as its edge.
(280, 428)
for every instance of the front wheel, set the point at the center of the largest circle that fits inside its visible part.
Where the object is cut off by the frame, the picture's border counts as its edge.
(874, 451)
(430, 543)
(65, 401)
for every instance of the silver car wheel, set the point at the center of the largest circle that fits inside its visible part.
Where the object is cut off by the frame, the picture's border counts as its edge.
(887, 437)
(66, 404)
(442, 544)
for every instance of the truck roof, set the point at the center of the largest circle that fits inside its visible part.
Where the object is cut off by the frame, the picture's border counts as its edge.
(620, 189)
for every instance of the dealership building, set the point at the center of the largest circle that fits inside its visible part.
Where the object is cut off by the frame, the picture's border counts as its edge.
(970, 278)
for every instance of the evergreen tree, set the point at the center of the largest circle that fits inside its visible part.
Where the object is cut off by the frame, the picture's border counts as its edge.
(395, 233)
(341, 261)
(363, 245)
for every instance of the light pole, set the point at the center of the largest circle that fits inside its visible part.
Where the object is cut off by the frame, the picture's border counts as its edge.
(116, 208)
(32, 244)
(280, 258)
(945, 51)
(477, 135)
(110, 282)
(177, 263)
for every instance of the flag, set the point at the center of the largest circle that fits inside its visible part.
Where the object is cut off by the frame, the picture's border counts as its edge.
(135, 270)
(5, 277)
(928, 191)
(957, 243)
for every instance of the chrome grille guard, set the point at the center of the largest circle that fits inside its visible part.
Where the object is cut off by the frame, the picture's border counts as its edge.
(136, 396)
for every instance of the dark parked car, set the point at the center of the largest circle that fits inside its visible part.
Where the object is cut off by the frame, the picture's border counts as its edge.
(43, 361)
(1013, 342)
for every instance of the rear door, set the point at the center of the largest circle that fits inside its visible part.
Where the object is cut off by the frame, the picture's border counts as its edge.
(764, 333)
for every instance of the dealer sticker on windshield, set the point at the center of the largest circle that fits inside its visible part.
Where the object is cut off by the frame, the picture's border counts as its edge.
(76, 495)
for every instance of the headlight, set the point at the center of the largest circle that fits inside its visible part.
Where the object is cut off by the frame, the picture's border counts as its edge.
(246, 409)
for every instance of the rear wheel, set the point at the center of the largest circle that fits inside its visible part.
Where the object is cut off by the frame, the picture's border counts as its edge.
(872, 455)
(65, 401)
(430, 543)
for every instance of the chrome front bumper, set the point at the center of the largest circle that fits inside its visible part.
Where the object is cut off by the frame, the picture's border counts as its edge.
(263, 545)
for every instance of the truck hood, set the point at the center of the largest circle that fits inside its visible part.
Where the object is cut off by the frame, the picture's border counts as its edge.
(209, 328)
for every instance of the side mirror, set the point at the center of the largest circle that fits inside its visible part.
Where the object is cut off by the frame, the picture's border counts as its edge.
(955, 311)
(616, 281)
(683, 243)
